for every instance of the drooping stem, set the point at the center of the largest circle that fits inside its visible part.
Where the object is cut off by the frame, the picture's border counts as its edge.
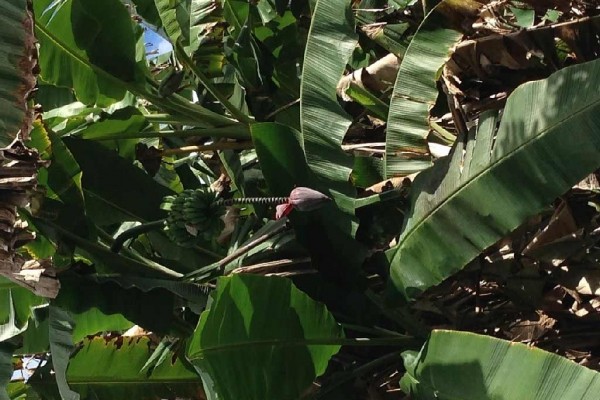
(128, 253)
(135, 232)
(281, 109)
(270, 266)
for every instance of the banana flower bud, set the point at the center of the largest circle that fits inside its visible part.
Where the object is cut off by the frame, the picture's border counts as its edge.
(303, 199)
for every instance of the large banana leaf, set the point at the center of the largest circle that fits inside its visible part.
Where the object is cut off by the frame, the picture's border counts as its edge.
(281, 157)
(151, 309)
(65, 32)
(548, 140)
(17, 55)
(111, 304)
(465, 366)
(108, 180)
(331, 41)
(262, 338)
(113, 370)
(324, 123)
(84, 308)
(415, 90)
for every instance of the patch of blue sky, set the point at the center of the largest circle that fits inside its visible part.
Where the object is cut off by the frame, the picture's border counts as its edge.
(156, 45)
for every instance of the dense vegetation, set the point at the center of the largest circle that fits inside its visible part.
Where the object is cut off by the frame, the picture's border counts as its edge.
(158, 240)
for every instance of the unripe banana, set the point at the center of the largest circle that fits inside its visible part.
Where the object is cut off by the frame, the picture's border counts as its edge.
(194, 216)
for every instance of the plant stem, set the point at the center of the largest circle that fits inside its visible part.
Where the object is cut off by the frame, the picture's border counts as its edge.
(372, 331)
(270, 266)
(233, 132)
(168, 119)
(127, 253)
(443, 133)
(404, 341)
(96, 249)
(147, 227)
(188, 62)
(252, 244)
(209, 147)
(281, 109)
(135, 232)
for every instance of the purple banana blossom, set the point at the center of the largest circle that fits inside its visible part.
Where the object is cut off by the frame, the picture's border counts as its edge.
(303, 199)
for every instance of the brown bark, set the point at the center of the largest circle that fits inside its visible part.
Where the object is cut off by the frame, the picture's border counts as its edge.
(18, 180)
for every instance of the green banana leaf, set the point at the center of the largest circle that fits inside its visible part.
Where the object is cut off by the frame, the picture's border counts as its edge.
(87, 322)
(330, 44)
(51, 97)
(196, 295)
(235, 13)
(100, 63)
(548, 140)
(15, 308)
(60, 334)
(200, 10)
(100, 304)
(152, 309)
(72, 41)
(324, 123)
(415, 90)
(17, 49)
(63, 179)
(115, 189)
(147, 10)
(85, 308)
(116, 129)
(175, 17)
(465, 366)
(262, 338)
(113, 370)
(281, 157)
(368, 100)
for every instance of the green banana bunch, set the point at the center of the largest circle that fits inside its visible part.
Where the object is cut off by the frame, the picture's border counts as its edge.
(194, 216)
